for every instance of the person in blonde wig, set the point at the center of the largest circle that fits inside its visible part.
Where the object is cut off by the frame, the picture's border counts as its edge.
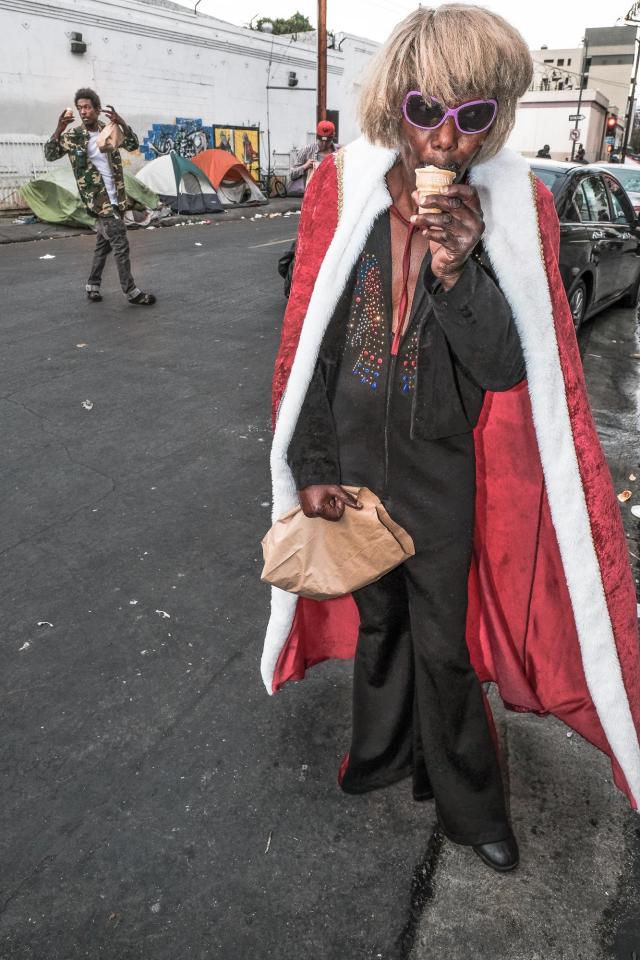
(454, 53)
(431, 357)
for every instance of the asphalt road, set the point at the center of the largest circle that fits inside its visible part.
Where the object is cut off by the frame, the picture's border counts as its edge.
(156, 802)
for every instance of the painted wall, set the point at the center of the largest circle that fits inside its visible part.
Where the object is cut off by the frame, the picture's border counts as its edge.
(543, 117)
(157, 62)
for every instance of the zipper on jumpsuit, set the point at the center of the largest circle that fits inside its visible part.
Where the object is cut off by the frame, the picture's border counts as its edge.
(397, 339)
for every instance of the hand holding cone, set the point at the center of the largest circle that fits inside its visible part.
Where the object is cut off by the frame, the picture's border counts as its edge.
(430, 180)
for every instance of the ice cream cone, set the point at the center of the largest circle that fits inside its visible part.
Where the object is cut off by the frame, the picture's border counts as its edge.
(431, 180)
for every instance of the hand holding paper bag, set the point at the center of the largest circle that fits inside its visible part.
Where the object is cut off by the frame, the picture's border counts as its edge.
(318, 559)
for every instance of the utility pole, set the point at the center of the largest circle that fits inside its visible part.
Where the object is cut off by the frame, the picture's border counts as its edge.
(633, 16)
(321, 107)
(584, 64)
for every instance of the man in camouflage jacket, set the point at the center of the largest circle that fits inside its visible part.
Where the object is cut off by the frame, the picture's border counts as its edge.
(100, 180)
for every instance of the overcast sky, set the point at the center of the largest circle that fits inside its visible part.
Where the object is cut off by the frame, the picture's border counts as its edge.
(556, 23)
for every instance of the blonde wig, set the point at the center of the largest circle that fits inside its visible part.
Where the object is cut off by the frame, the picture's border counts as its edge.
(454, 53)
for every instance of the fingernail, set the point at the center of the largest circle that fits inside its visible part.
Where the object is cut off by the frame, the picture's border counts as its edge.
(413, 218)
(444, 189)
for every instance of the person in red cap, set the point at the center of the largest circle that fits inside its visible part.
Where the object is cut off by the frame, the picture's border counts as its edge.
(311, 156)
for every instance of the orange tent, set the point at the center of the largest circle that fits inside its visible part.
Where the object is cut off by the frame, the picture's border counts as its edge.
(229, 176)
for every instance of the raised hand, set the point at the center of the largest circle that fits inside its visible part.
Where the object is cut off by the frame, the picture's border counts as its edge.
(113, 115)
(453, 232)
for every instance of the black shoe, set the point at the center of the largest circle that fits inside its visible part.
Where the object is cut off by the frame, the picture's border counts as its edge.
(503, 855)
(94, 296)
(143, 300)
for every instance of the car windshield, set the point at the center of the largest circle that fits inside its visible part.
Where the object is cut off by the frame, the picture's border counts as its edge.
(628, 177)
(548, 175)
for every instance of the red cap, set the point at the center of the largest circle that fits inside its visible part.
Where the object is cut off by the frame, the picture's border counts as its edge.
(325, 129)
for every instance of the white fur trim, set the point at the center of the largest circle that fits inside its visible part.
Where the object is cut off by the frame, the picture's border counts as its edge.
(512, 243)
(364, 198)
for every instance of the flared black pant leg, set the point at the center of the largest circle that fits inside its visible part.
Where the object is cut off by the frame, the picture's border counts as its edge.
(459, 751)
(417, 701)
(383, 682)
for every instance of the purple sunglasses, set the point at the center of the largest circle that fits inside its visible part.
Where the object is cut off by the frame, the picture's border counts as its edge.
(475, 116)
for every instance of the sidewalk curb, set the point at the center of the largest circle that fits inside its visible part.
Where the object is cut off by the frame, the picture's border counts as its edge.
(32, 232)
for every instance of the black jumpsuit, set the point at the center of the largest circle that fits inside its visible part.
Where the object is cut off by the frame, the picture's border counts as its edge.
(403, 426)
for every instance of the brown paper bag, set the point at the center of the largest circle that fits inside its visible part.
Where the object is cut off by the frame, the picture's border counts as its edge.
(109, 138)
(322, 559)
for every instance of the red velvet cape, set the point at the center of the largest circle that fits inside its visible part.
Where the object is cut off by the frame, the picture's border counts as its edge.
(521, 631)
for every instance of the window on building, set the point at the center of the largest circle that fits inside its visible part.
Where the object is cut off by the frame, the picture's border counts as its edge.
(548, 61)
(569, 62)
(561, 61)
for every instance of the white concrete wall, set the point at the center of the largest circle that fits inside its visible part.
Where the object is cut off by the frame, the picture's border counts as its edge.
(159, 62)
(543, 117)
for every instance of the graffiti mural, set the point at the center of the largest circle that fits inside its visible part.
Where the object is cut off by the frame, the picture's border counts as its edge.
(189, 136)
(186, 136)
(247, 148)
(223, 138)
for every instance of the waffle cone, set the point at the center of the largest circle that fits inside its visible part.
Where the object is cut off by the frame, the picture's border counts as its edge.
(431, 180)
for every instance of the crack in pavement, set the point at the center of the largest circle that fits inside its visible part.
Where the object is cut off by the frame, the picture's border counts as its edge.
(25, 880)
(425, 873)
(423, 888)
(134, 788)
(78, 463)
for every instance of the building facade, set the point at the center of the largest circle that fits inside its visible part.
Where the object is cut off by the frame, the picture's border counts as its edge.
(163, 67)
(185, 81)
(543, 116)
(603, 66)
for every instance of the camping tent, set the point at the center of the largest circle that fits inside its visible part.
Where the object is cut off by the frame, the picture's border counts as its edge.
(180, 184)
(230, 177)
(53, 196)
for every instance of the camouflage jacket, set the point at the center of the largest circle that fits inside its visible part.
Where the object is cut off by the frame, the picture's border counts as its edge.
(93, 192)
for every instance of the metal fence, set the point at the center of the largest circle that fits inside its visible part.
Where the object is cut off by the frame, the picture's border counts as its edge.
(282, 163)
(21, 159)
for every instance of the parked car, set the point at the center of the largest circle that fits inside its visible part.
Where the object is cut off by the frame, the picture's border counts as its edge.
(599, 236)
(628, 173)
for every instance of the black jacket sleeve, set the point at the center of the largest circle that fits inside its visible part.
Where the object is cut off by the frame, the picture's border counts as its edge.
(313, 451)
(478, 325)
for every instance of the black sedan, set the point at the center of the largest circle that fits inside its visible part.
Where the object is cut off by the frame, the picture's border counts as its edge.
(599, 236)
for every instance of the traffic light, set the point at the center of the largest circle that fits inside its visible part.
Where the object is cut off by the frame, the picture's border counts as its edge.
(612, 123)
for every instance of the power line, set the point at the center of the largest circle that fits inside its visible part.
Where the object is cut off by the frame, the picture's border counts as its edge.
(551, 66)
